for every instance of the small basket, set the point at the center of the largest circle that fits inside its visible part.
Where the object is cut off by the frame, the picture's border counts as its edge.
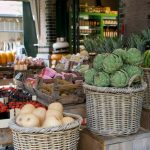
(57, 138)
(146, 101)
(114, 111)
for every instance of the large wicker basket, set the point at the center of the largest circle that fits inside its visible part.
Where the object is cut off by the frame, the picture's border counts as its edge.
(146, 101)
(112, 111)
(56, 138)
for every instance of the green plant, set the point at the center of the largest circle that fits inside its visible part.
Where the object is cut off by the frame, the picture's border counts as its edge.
(102, 79)
(121, 53)
(119, 79)
(112, 63)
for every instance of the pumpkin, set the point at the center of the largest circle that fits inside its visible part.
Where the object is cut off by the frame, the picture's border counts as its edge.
(19, 119)
(57, 114)
(28, 108)
(3, 58)
(56, 106)
(51, 122)
(56, 56)
(30, 121)
(9, 56)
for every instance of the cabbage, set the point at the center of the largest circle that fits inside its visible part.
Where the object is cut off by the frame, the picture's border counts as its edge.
(119, 79)
(98, 61)
(120, 52)
(89, 76)
(112, 63)
(101, 79)
(134, 57)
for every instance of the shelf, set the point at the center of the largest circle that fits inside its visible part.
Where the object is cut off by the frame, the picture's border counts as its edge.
(14, 31)
(89, 28)
(110, 25)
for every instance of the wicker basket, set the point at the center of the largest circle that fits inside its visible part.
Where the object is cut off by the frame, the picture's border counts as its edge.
(56, 138)
(146, 102)
(112, 111)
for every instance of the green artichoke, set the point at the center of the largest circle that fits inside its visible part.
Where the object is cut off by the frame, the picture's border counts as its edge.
(89, 76)
(119, 79)
(121, 53)
(102, 79)
(134, 57)
(98, 62)
(133, 70)
(112, 63)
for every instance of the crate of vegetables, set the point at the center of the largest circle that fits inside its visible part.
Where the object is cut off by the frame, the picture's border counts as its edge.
(37, 129)
(114, 91)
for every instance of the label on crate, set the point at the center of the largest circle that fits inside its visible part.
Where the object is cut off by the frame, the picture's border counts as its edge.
(34, 97)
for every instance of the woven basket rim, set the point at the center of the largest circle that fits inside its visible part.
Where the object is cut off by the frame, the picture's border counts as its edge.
(147, 69)
(40, 130)
(140, 88)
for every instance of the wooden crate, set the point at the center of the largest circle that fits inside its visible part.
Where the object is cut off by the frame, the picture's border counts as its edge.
(145, 119)
(138, 141)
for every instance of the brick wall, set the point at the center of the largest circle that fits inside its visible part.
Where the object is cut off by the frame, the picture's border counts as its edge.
(137, 13)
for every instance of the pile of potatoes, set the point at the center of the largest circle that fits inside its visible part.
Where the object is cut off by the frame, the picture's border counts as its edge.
(30, 116)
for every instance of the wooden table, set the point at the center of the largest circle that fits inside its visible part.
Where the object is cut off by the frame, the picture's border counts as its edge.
(138, 141)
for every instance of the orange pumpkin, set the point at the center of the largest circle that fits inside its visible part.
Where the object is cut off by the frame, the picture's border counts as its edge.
(56, 56)
(3, 58)
(9, 56)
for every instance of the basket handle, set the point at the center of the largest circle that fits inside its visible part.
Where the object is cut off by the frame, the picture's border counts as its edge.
(133, 78)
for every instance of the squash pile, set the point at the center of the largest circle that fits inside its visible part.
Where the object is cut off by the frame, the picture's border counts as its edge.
(30, 116)
(115, 69)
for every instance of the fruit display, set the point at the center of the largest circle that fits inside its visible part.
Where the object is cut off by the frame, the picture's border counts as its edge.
(146, 63)
(31, 117)
(115, 69)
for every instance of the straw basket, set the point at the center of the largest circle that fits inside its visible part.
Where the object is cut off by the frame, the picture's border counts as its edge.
(57, 138)
(114, 111)
(146, 102)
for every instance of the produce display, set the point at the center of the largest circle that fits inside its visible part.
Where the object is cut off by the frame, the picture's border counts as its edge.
(115, 69)
(31, 117)
(22, 64)
(146, 63)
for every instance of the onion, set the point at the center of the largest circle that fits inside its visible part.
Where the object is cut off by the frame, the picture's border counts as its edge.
(28, 108)
(51, 122)
(56, 106)
(57, 114)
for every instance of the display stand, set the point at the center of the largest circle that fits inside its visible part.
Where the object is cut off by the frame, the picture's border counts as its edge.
(145, 119)
(138, 141)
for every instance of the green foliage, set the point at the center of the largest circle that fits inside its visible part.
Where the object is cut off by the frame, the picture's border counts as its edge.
(112, 63)
(102, 79)
(119, 79)
(89, 76)
(134, 57)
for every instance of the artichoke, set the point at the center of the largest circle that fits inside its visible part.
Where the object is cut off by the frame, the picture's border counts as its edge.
(121, 53)
(134, 57)
(101, 79)
(119, 79)
(89, 76)
(112, 63)
(133, 70)
(98, 62)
